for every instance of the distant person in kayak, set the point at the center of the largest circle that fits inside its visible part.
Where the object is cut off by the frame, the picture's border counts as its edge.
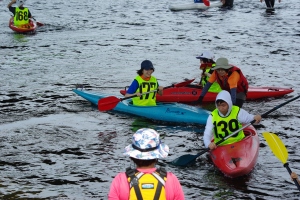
(230, 78)
(224, 120)
(145, 181)
(270, 3)
(206, 63)
(295, 176)
(144, 82)
(21, 13)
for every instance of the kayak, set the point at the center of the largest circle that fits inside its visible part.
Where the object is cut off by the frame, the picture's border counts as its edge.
(26, 28)
(194, 6)
(237, 159)
(191, 93)
(167, 112)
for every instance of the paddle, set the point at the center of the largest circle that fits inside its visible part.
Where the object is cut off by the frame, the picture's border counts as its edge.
(184, 160)
(206, 2)
(38, 23)
(109, 103)
(279, 150)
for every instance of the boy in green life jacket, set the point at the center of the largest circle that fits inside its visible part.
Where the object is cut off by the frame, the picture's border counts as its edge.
(21, 13)
(224, 120)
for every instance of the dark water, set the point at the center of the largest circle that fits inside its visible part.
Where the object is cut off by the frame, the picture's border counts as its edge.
(55, 145)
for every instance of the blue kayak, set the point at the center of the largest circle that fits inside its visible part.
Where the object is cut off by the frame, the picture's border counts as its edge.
(167, 112)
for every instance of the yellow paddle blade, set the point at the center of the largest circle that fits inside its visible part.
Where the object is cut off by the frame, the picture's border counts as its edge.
(277, 146)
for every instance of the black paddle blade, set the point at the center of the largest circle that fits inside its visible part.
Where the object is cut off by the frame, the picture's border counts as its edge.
(184, 160)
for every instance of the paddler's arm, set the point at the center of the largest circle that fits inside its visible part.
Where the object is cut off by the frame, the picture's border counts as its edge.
(294, 176)
(233, 81)
(208, 134)
(11, 3)
(132, 88)
(160, 90)
(210, 81)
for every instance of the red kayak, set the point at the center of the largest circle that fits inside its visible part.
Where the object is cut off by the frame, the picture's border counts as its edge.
(26, 28)
(191, 93)
(237, 159)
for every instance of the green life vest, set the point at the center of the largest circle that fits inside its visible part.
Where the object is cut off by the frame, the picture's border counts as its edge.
(224, 126)
(215, 87)
(147, 186)
(21, 16)
(146, 86)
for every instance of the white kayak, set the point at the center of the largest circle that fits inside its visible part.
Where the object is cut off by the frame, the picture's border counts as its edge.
(194, 6)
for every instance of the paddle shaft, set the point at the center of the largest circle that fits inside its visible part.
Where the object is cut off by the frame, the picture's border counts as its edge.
(286, 165)
(279, 106)
(225, 138)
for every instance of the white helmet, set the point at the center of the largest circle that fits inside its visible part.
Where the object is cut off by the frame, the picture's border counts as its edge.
(206, 54)
(20, 2)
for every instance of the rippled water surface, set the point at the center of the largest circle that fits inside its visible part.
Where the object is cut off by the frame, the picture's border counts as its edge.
(55, 145)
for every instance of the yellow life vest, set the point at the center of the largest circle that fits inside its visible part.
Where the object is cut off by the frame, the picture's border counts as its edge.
(21, 16)
(146, 86)
(215, 87)
(147, 186)
(224, 126)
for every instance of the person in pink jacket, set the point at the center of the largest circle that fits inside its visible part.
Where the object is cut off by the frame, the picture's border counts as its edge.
(146, 180)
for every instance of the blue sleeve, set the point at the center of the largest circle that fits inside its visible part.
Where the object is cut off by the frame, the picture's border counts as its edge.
(12, 9)
(233, 95)
(133, 87)
(205, 89)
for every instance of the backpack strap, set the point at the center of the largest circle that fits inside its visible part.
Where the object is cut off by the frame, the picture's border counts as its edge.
(134, 181)
(160, 175)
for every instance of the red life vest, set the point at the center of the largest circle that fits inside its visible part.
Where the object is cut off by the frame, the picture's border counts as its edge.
(242, 85)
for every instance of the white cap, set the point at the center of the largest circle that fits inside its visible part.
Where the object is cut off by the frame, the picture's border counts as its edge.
(20, 2)
(207, 55)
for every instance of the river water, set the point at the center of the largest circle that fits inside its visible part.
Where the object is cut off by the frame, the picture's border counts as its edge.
(55, 145)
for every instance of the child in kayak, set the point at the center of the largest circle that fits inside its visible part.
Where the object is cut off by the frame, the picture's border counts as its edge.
(224, 120)
(144, 82)
(21, 13)
(206, 63)
(146, 180)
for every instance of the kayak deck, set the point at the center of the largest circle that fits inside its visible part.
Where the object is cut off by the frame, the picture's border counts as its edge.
(237, 159)
(26, 28)
(191, 93)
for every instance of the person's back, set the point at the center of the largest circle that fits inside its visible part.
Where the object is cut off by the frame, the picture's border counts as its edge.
(21, 13)
(146, 180)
